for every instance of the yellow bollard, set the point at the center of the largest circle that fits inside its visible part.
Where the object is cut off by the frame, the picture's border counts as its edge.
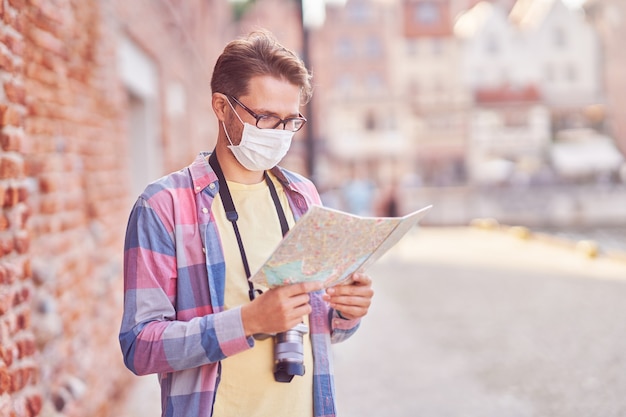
(488, 223)
(520, 232)
(589, 248)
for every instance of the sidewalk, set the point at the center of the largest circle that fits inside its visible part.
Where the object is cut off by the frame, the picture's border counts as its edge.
(488, 323)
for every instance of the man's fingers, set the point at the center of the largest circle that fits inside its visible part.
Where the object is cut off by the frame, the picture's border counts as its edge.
(302, 288)
(362, 279)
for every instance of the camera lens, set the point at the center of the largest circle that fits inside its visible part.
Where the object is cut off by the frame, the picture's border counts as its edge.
(289, 353)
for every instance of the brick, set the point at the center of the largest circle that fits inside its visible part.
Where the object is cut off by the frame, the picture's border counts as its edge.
(11, 167)
(6, 354)
(6, 63)
(11, 117)
(50, 205)
(5, 380)
(15, 45)
(18, 380)
(18, 4)
(24, 215)
(22, 194)
(14, 92)
(25, 348)
(41, 74)
(22, 243)
(10, 274)
(6, 246)
(18, 22)
(23, 320)
(34, 167)
(27, 271)
(11, 196)
(4, 222)
(11, 141)
(47, 41)
(21, 296)
(49, 183)
(34, 404)
(5, 303)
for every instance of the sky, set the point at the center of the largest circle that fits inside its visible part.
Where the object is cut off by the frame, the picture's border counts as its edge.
(573, 3)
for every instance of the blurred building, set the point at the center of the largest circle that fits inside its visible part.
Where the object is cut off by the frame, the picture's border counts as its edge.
(361, 123)
(542, 53)
(609, 17)
(389, 94)
(427, 77)
(509, 135)
(462, 93)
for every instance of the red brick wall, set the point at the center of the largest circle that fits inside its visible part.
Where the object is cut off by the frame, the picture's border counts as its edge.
(63, 184)
(19, 367)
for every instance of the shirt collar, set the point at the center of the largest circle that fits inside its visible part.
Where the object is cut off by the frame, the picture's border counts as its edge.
(202, 175)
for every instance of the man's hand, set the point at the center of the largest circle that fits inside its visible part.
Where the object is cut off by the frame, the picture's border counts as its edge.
(279, 309)
(352, 300)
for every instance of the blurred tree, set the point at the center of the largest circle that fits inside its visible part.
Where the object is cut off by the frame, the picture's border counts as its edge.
(240, 7)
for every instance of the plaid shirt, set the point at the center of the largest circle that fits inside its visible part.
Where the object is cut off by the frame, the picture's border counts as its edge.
(174, 321)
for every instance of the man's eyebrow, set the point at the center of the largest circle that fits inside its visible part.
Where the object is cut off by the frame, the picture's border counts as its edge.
(267, 112)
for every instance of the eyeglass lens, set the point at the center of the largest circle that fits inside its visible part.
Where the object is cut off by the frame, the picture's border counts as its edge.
(273, 122)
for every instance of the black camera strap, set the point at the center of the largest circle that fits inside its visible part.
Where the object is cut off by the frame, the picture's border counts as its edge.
(232, 216)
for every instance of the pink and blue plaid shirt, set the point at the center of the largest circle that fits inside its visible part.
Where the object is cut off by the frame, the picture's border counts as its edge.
(174, 322)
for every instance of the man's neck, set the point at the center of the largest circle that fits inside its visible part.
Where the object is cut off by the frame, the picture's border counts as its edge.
(234, 171)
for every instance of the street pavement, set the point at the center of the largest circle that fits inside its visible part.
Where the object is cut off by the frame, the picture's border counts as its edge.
(475, 322)
(488, 323)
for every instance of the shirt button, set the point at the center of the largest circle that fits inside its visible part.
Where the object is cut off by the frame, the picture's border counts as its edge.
(212, 186)
(203, 249)
(205, 210)
(198, 188)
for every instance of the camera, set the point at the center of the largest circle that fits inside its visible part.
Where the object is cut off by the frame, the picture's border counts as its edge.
(289, 353)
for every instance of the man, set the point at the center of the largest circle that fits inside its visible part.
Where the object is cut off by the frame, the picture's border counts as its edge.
(193, 237)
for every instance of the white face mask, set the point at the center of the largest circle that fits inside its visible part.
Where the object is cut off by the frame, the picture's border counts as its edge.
(260, 149)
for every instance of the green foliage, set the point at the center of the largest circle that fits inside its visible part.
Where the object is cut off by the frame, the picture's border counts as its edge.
(240, 8)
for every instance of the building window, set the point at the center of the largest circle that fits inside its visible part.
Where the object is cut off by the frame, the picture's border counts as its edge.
(345, 83)
(411, 47)
(426, 13)
(572, 73)
(549, 71)
(358, 11)
(559, 38)
(373, 47)
(370, 121)
(374, 82)
(344, 48)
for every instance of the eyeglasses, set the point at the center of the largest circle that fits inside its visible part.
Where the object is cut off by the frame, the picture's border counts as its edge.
(267, 121)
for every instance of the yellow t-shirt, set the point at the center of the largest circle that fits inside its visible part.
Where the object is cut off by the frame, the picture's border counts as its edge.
(247, 386)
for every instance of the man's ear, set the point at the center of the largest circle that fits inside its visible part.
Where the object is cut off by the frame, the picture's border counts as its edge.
(219, 103)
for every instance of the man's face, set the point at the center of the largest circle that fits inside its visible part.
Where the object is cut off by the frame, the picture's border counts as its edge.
(266, 96)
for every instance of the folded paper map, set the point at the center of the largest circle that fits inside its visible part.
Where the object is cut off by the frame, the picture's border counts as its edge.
(329, 245)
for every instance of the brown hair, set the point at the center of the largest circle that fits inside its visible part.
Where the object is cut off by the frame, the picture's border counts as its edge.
(257, 54)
